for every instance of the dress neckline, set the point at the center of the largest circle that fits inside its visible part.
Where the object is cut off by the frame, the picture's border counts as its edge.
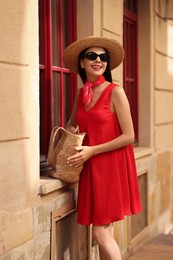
(90, 108)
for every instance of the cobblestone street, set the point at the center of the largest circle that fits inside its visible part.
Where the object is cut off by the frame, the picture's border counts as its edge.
(160, 248)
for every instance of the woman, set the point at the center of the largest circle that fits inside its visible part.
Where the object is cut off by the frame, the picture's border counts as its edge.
(108, 187)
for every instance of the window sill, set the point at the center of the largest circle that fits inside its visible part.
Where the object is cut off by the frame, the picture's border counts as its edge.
(48, 185)
(142, 152)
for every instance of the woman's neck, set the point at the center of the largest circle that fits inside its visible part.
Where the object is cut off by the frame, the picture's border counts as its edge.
(92, 79)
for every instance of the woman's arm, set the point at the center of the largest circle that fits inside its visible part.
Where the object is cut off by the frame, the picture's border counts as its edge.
(120, 105)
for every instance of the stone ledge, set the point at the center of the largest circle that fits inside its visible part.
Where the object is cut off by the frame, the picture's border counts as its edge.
(48, 184)
(142, 151)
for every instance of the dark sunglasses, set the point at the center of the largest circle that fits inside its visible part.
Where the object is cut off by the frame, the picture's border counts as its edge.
(104, 57)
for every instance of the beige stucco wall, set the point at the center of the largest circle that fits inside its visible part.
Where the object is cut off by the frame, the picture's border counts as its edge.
(19, 123)
(25, 221)
(163, 83)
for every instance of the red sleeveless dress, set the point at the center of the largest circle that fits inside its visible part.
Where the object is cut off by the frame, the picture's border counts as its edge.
(108, 187)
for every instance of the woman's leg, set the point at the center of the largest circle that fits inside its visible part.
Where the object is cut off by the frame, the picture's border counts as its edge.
(102, 257)
(108, 247)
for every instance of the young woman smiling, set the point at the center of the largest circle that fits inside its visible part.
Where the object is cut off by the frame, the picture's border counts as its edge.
(108, 187)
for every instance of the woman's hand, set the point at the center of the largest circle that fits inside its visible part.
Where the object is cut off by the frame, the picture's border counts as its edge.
(83, 154)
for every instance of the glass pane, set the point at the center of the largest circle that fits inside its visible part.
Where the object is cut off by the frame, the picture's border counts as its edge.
(41, 37)
(56, 100)
(130, 5)
(134, 6)
(131, 97)
(42, 144)
(55, 33)
(66, 23)
(71, 239)
(132, 57)
(67, 95)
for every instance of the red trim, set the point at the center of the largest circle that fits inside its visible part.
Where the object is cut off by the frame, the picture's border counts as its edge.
(130, 15)
(61, 58)
(73, 37)
(130, 62)
(48, 68)
(45, 89)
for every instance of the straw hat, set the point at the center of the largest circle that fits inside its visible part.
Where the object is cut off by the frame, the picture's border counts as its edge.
(72, 52)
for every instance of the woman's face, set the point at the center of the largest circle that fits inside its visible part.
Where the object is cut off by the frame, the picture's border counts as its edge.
(94, 68)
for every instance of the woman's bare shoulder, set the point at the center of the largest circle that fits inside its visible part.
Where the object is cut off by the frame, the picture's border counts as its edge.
(118, 92)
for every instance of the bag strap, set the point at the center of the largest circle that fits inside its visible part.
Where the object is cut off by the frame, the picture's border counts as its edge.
(55, 134)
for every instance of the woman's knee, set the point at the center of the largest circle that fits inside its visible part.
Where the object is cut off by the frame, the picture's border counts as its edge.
(96, 234)
(100, 233)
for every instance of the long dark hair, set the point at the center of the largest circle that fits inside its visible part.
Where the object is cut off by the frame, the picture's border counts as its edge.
(107, 74)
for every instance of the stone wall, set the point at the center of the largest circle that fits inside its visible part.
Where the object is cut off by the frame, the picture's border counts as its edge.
(19, 126)
(26, 202)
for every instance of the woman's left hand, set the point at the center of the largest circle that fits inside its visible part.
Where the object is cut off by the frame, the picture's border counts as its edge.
(83, 154)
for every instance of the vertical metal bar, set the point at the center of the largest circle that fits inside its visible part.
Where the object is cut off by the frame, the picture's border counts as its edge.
(45, 86)
(49, 70)
(73, 36)
(130, 45)
(61, 55)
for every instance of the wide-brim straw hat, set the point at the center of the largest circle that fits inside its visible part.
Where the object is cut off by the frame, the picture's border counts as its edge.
(114, 48)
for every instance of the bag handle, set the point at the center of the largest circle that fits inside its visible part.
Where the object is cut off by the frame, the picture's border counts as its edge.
(52, 144)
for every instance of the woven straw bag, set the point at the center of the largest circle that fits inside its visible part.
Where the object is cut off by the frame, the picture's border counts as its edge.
(62, 145)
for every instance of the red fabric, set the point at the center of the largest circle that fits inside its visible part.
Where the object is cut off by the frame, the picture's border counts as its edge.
(87, 89)
(108, 187)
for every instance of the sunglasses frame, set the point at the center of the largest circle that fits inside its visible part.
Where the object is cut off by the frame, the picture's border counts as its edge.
(97, 55)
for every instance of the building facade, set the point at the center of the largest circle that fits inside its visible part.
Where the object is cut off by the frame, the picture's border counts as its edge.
(37, 213)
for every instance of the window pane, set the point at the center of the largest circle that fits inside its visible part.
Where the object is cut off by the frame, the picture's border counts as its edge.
(130, 5)
(56, 31)
(55, 35)
(42, 143)
(130, 62)
(132, 51)
(41, 39)
(56, 100)
(66, 22)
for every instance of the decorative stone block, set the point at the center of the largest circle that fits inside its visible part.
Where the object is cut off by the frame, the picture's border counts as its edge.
(14, 101)
(42, 247)
(114, 9)
(152, 205)
(163, 72)
(18, 229)
(163, 165)
(164, 136)
(163, 109)
(15, 174)
(165, 194)
(42, 219)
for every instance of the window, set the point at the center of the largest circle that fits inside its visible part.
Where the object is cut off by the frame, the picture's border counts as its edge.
(130, 61)
(57, 29)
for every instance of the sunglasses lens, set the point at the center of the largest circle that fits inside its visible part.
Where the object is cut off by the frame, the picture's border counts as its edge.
(91, 56)
(104, 57)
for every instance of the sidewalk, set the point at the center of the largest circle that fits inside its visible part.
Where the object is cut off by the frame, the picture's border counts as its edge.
(160, 248)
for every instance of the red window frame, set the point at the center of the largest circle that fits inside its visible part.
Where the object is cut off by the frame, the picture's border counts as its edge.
(56, 98)
(130, 60)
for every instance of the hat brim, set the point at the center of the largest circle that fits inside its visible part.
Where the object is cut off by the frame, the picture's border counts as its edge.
(113, 47)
